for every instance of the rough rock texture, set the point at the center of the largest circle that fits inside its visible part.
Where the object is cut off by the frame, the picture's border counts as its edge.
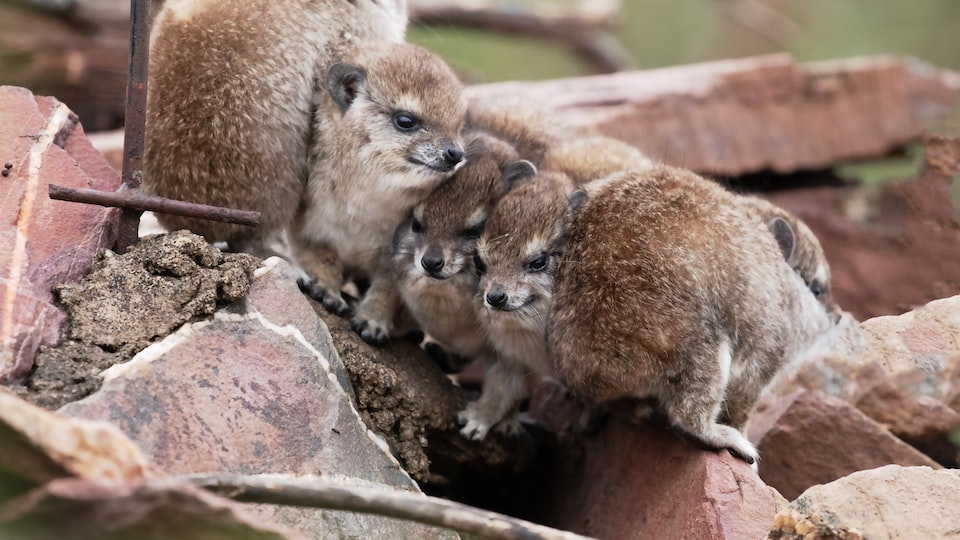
(85, 510)
(40, 446)
(643, 481)
(43, 242)
(892, 248)
(257, 389)
(887, 502)
(816, 438)
(736, 116)
(127, 302)
(924, 338)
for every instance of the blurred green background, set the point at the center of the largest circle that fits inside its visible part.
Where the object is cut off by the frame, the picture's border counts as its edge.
(659, 33)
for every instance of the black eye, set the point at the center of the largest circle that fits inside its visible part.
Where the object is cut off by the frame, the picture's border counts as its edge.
(473, 232)
(416, 226)
(538, 263)
(816, 288)
(405, 121)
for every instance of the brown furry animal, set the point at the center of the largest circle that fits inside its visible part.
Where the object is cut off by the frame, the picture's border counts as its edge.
(386, 135)
(232, 87)
(670, 292)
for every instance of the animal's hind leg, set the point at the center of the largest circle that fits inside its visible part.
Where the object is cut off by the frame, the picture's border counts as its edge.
(694, 403)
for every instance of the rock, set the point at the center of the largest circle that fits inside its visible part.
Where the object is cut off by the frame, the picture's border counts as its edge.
(644, 481)
(887, 502)
(84, 510)
(256, 389)
(923, 338)
(46, 242)
(813, 438)
(127, 302)
(733, 117)
(40, 446)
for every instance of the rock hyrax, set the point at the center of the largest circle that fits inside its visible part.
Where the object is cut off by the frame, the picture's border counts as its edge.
(519, 250)
(386, 134)
(434, 249)
(670, 292)
(232, 86)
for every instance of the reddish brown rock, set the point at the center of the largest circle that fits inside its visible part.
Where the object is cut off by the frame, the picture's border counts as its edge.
(43, 242)
(813, 438)
(257, 389)
(85, 510)
(887, 502)
(737, 116)
(642, 481)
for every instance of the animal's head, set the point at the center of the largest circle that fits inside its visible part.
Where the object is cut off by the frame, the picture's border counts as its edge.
(439, 239)
(409, 107)
(804, 254)
(522, 244)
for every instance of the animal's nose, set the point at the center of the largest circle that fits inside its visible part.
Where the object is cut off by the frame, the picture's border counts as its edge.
(431, 263)
(452, 153)
(496, 298)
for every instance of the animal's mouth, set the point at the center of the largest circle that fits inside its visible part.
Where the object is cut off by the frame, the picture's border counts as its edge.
(440, 166)
(514, 309)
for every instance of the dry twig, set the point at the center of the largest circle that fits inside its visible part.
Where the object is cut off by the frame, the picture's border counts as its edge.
(377, 499)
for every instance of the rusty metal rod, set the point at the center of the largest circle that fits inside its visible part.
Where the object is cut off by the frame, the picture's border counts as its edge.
(136, 201)
(134, 120)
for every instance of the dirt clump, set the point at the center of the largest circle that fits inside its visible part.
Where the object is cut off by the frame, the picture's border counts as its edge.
(126, 302)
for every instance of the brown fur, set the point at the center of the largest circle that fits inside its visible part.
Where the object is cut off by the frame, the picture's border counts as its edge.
(232, 83)
(367, 173)
(671, 292)
(433, 251)
(799, 246)
(525, 229)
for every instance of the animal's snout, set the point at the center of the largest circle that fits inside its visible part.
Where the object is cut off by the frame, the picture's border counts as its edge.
(452, 153)
(431, 263)
(496, 298)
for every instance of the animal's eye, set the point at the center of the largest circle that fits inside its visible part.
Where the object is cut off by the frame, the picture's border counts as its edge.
(816, 288)
(416, 226)
(473, 232)
(405, 121)
(538, 263)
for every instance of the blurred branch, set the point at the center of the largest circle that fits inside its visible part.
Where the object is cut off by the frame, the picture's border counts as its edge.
(763, 20)
(376, 499)
(583, 27)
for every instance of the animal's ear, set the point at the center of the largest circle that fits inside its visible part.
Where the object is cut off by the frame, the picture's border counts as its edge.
(518, 171)
(344, 82)
(784, 235)
(576, 198)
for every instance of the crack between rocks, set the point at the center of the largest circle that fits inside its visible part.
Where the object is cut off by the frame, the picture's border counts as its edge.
(59, 119)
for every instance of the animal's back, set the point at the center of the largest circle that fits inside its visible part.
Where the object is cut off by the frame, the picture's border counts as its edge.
(231, 86)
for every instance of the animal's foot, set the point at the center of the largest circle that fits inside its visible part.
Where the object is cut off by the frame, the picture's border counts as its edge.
(331, 300)
(373, 332)
(474, 426)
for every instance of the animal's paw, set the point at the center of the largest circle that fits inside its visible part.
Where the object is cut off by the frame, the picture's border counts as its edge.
(474, 427)
(331, 300)
(511, 426)
(373, 332)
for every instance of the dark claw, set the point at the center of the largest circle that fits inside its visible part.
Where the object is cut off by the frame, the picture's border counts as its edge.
(334, 304)
(748, 459)
(373, 336)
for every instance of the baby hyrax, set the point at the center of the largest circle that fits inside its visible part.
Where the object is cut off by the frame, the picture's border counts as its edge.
(386, 135)
(519, 250)
(232, 87)
(672, 293)
(434, 249)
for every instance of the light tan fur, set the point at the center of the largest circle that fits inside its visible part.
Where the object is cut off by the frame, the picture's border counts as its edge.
(232, 86)
(434, 249)
(671, 292)
(368, 172)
